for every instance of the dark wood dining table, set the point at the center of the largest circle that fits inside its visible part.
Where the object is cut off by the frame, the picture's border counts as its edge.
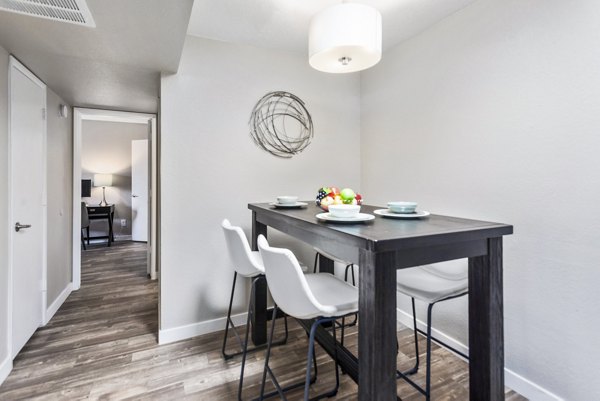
(380, 247)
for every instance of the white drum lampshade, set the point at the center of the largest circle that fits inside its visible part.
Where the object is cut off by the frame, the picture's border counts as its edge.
(345, 38)
(102, 180)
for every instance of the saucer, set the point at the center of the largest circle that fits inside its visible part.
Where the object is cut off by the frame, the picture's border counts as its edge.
(288, 205)
(356, 219)
(389, 213)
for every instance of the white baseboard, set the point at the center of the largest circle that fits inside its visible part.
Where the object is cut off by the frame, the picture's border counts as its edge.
(528, 388)
(514, 381)
(197, 329)
(5, 368)
(62, 297)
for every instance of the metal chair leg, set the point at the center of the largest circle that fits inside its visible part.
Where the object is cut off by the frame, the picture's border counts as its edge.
(415, 368)
(316, 262)
(428, 377)
(311, 355)
(228, 320)
(244, 352)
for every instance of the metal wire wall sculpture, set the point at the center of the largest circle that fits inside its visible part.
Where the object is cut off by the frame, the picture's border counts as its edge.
(272, 120)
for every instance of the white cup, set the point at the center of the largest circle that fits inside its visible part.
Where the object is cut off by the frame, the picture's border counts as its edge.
(287, 200)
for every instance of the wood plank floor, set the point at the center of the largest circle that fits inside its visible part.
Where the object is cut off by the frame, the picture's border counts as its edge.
(102, 345)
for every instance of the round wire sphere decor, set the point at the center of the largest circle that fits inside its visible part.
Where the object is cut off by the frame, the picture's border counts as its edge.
(281, 124)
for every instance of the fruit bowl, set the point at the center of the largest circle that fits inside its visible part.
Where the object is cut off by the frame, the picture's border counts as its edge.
(327, 196)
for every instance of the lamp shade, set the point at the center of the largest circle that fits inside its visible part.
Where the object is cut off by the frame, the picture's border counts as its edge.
(102, 180)
(345, 38)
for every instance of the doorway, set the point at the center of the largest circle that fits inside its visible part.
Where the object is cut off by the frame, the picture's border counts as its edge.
(105, 175)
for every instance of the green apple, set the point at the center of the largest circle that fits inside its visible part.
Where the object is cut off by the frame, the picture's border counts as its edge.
(347, 195)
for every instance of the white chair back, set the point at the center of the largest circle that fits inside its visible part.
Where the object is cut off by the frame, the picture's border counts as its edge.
(454, 270)
(287, 283)
(246, 262)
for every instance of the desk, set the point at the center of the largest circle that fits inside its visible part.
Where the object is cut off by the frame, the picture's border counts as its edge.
(379, 248)
(103, 213)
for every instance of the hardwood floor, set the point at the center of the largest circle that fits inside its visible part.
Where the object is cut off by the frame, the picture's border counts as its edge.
(102, 345)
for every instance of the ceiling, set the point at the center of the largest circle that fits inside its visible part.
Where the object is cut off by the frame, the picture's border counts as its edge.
(283, 24)
(116, 65)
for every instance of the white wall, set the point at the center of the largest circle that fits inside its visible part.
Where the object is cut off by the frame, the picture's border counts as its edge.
(106, 148)
(5, 361)
(211, 169)
(59, 175)
(494, 114)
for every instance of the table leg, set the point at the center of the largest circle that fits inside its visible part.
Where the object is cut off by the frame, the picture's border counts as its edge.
(110, 229)
(259, 313)
(486, 331)
(377, 333)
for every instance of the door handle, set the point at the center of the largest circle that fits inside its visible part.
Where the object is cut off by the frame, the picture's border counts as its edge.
(19, 226)
(134, 196)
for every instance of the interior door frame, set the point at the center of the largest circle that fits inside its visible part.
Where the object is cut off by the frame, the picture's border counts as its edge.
(15, 64)
(86, 114)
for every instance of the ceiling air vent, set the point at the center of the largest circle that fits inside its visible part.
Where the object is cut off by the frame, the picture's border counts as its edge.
(71, 11)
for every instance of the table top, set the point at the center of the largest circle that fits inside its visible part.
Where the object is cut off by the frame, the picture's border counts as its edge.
(384, 233)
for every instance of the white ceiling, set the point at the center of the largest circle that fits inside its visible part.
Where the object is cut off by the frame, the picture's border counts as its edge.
(116, 65)
(283, 24)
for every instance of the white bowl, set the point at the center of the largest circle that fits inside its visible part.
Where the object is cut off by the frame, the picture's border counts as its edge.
(344, 210)
(402, 207)
(287, 200)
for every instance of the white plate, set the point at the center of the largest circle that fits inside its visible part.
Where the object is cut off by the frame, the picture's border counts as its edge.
(288, 205)
(389, 213)
(357, 219)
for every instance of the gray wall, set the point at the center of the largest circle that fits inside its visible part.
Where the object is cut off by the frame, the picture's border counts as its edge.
(60, 196)
(106, 148)
(211, 169)
(3, 205)
(494, 114)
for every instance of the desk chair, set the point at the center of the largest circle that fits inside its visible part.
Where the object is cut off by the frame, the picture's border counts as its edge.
(431, 284)
(85, 225)
(322, 297)
(249, 264)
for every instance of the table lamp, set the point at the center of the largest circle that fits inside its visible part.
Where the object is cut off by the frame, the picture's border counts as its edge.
(103, 180)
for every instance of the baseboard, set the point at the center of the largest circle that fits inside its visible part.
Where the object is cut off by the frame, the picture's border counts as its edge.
(5, 368)
(62, 297)
(514, 381)
(197, 329)
(528, 388)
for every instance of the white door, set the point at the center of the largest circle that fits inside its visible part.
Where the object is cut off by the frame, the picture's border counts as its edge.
(27, 202)
(139, 190)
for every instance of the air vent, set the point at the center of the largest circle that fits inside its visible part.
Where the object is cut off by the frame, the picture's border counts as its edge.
(71, 11)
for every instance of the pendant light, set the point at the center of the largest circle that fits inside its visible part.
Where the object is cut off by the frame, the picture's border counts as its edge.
(345, 38)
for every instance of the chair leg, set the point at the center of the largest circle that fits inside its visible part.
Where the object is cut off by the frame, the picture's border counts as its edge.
(355, 320)
(87, 233)
(245, 350)
(243, 343)
(428, 378)
(228, 320)
(316, 262)
(83, 241)
(312, 357)
(415, 368)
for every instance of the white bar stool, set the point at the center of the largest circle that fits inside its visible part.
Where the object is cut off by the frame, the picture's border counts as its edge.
(431, 284)
(322, 297)
(249, 264)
